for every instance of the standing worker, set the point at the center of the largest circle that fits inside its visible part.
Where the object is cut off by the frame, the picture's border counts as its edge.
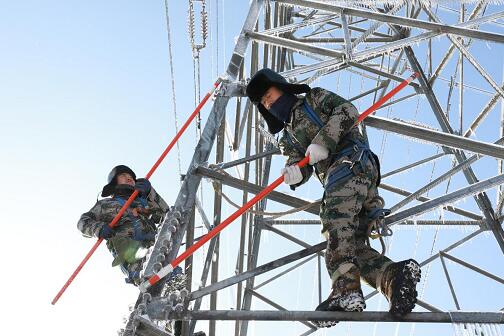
(321, 125)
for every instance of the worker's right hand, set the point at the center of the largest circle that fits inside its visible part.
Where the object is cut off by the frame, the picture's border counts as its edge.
(292, 174)
(106, 232)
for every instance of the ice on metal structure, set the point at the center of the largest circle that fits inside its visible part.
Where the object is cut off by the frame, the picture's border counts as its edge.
(360, 49)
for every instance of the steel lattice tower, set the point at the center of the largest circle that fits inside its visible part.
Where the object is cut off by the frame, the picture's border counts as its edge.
(433, 157)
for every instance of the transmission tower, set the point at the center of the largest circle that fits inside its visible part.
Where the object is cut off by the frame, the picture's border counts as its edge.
(440, 174)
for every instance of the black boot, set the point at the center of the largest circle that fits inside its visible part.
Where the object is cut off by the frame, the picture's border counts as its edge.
(398, 284)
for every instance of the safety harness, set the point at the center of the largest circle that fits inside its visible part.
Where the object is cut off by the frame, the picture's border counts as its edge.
(125, 249)
(358, 154)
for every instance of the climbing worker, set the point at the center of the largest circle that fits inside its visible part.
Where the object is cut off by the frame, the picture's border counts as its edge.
(321, 125)
(129, 240)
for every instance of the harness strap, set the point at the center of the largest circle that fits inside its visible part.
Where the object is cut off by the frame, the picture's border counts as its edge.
(310, 113)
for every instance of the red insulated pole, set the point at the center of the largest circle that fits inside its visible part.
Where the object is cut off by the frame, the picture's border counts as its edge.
(215, 231)
(135, 193)
(380, 102)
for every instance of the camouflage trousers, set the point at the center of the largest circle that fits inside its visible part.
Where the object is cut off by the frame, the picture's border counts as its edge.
(347, 257)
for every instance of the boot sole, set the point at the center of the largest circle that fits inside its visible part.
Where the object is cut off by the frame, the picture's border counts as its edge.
(404, 296)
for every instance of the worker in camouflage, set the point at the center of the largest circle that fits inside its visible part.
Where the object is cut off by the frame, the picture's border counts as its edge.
(130, 238)
(321, 125)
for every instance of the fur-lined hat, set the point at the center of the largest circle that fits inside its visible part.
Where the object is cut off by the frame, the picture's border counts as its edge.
(260, 83)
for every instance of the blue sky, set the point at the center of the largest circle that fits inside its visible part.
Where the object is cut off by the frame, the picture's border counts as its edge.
(86, 85)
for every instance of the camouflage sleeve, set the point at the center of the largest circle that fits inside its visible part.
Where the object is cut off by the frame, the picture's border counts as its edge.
(342, 116)
(157, 205)
(90, 222)
(293, 157)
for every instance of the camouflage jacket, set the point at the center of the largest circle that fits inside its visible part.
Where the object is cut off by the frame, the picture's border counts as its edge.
(104, 211)
(338, 116)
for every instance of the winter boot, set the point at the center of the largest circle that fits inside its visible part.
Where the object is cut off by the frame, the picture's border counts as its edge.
(349, 301)
(398, 284)
(346, 295)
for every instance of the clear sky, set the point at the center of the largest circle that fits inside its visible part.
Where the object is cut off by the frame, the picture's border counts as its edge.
(85, 86)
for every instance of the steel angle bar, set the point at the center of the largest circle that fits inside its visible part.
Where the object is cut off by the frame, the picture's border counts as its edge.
(225, 165)
(463, 165)
(204, 277)
(401, 43)
(363, 94)
(146, 327)
(477, 8)
(435, 256)
(436, 137)
(448, 279)
(340, 40)
(443, 222)
(413, 165)
(407, 222)
(484, 112)
(255, 189)
(294, 45)
(277, 306)
(202, 214)
(449, 208)
(346, 34)
(428, 306)
(472, 267)
(452, 197)
(402, 21)
(258, 270)
(288, 270)
(350, 27)
(367, 316)
(468, 56)
(384, 74)
(481, 199)
(297, 25)
(288, 236)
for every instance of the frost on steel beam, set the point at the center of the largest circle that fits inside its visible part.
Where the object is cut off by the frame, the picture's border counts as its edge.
(449, 208)
(482, 198)
(294, 45)
(255, 189)
(392, 46)
(479, 6)
(402, 21)
(438, 180)
(437, 137)
(469, 57)
(452, 197)
(368, 316)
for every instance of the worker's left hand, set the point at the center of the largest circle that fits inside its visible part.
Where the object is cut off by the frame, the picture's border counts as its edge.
(292, 174)
(317, 153)
(143, 186)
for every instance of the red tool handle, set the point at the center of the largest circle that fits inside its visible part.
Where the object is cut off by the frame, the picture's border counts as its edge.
(380, 102)
(135, 193)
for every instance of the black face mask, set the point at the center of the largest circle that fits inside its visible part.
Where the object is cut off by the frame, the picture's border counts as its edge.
(281, 109)
(123, 190)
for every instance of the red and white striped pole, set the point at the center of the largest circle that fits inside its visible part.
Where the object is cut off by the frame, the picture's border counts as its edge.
(215, 231)
(135, 193)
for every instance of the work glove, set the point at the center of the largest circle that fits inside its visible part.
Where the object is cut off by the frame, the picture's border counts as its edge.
(292, 174)
(143, 186)
(317, 153)
(106, 232)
